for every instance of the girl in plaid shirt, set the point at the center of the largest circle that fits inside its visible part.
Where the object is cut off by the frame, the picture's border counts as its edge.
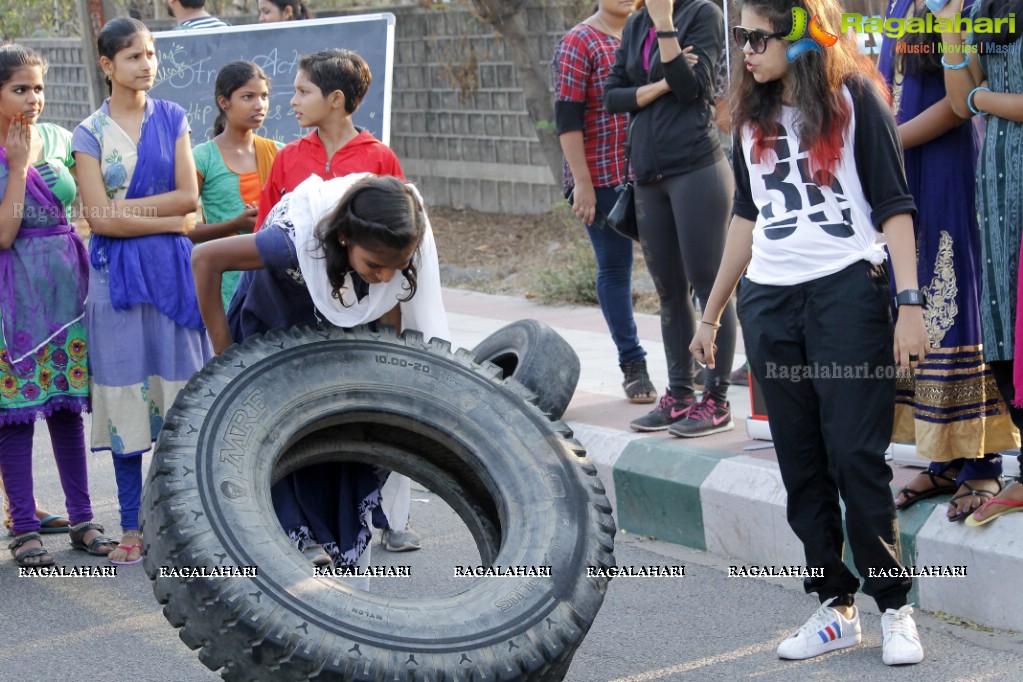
(594, 145)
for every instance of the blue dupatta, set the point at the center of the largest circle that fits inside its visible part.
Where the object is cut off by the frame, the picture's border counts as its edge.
(154, 269)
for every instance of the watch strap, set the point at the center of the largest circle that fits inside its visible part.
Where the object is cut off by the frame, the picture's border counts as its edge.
(911, 297)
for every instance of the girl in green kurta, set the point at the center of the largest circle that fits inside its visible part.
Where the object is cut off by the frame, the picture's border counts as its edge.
(233, 166)
(43, 282)
(55, 164)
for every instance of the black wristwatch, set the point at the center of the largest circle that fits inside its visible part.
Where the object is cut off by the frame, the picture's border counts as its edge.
(911, 297)
(667, 34)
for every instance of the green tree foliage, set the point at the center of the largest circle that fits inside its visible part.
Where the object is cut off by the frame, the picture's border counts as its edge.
(507, 19)
(39, 19)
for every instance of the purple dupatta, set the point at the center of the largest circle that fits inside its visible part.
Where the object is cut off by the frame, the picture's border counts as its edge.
(154, 269)
(42, 287)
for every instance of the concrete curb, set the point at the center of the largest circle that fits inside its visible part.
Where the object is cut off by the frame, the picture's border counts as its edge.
(733, 506)
(716, 495)
(603, 448)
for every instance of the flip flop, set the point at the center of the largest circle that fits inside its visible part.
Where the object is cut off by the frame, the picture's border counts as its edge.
(1013, 506)
(129, 549)
(46, 530)
(914, 496)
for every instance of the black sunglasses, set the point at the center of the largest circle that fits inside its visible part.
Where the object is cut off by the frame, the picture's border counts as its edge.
(756, 38)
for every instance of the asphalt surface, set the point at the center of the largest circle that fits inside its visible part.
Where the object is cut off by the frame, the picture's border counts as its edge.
(703, 626)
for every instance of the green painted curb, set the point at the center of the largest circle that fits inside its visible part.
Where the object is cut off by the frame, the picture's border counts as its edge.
(910, 522)
(657, 485)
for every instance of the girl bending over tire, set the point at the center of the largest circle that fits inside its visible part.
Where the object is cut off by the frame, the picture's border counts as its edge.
(347, 251)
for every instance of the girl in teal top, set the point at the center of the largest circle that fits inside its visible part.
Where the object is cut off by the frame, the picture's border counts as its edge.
(233, 166)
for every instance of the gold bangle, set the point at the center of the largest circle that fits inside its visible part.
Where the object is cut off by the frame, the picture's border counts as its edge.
(716, 325)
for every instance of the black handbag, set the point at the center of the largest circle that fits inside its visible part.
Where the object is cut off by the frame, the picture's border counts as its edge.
(622, 217)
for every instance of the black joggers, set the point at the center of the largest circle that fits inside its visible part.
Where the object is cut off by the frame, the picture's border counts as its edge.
(822, 352)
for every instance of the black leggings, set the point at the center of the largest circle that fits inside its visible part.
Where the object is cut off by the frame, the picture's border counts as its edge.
(682, 224)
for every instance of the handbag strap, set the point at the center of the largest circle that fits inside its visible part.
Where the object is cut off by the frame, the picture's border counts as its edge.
(628, 150)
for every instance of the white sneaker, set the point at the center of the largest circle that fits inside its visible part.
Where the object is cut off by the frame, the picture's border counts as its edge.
(400, 540)
(900, 642)
(317, 555)
(827, 630)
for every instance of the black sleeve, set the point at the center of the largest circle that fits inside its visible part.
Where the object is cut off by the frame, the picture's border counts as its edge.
(569, 116)
(706, 35)
(619, 90)
(742, 201)
(878, 154)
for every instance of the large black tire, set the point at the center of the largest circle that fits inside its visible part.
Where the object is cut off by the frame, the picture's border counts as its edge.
(538, 358)
(292, 398)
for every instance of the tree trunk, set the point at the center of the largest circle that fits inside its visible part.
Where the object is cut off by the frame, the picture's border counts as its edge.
(506, 18)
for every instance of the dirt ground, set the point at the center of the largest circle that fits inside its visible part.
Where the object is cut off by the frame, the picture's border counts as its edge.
(501, 253)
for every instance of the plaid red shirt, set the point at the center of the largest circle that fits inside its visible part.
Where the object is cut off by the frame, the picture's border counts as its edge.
(582, 60)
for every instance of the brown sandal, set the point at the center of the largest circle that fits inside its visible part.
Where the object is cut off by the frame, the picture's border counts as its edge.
(20, 557)
(78, 532)
(914, 496)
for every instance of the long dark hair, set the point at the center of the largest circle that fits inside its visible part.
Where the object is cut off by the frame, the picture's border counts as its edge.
(1001, 9)
(298, 8)
(919, 62)
(379, 212)
(14, 57)
(816, 78)
(231, 77)
(116, 35)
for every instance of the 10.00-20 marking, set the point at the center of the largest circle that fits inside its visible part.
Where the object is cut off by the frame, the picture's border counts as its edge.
(402, 362)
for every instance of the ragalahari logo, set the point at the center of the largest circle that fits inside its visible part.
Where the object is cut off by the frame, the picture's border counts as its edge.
(818, 39)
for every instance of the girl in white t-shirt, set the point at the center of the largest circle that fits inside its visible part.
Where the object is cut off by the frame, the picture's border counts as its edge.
(819, 189)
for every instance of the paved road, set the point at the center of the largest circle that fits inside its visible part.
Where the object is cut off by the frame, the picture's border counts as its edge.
(704, 626)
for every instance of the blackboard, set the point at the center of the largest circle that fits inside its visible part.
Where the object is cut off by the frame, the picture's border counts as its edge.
(190, 59)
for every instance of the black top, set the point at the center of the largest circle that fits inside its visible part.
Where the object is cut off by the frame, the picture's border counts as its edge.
(675, 133)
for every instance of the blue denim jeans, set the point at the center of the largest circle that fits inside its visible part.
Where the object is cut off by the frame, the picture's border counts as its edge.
(614, 279)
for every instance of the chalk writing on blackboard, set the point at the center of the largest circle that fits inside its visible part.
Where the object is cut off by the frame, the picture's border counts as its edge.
(179, 71)
(273, 65)
(189, 61)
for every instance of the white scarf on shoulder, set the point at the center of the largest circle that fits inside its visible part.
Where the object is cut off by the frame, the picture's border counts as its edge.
(310, 203)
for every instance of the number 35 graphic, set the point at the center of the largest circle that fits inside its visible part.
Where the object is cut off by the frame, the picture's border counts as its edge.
(794, 196)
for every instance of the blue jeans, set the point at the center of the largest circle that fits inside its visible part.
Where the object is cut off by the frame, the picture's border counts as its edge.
(614, 279)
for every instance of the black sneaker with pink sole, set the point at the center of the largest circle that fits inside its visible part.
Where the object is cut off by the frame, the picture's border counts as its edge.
(667, 412)
(708, 416)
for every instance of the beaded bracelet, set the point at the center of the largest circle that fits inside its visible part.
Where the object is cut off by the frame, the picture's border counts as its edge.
(956, 67)
(969, 100)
